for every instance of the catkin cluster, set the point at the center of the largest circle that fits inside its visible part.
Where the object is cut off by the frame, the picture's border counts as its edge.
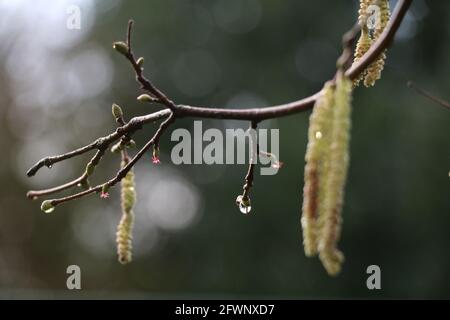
(378, 12)
(325, 173)
(124, 234)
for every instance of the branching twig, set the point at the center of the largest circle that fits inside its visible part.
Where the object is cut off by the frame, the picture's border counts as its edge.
(123, 171)
(146, 84)
(82, 180)
(103, 142)
(174, 111)
(346, 58)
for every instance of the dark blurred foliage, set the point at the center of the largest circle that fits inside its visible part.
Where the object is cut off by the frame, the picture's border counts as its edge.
(245, 53)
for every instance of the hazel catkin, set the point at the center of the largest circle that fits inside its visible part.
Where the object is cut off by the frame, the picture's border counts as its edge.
(336, 174)
(326, 166)
(368, 37)
(374, 70)
(319, 135)
(124, 235)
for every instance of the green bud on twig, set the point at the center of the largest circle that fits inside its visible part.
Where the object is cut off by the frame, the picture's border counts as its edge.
(90, 169)
(145, 98)
(121, 47)
(140, 62)
(105, 188)
(84, 184)
(117, 147)
(117, 111)
(131, 144)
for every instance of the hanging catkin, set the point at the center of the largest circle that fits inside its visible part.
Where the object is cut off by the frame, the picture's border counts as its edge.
(368, 37)
(362, 47)
(363, 11)
(124, 235)
(375, 69)
(336, 173)
(365, 41)
(319, 134)
(325, 173)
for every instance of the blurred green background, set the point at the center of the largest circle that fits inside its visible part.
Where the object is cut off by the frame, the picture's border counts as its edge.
(56, 90)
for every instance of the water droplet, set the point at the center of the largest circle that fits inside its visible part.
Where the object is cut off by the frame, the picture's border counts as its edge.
(49, 210)
(318, 135)
(244, 209)
(47, 206)
(243, 204)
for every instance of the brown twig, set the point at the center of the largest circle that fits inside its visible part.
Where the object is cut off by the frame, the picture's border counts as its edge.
(254, 151)
(123, 171)
(83, 179)
(174, 111)
(348, 40)
(428, 95)
(146, 84)
(304, 104)
(103, 142)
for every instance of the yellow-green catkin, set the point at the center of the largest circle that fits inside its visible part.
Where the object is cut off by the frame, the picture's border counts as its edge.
(368, 37)
(319, 135)
(385, 15)
(124, 234)
(336, 173)
(365, 41)
(375, 69)
(363, 13)
(362, 47)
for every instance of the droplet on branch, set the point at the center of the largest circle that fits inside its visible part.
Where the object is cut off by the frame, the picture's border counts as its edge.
(47, 206)
(244, 204)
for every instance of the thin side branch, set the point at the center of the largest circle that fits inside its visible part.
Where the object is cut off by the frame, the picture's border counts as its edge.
(254, 151)
(82, 180)
(428, 95)
(146, 84)
(49, 161)
(103, 142)
(123, 171)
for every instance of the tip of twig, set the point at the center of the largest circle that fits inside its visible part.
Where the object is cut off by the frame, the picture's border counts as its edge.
(31, 196)
(31, 172)
(410, 84)
(130, 27)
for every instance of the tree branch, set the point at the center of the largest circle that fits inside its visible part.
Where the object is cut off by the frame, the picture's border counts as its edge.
(146, 84)
(173, 111)
(103, 142)
(304, 104)
(83, 179)
(123, 171)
